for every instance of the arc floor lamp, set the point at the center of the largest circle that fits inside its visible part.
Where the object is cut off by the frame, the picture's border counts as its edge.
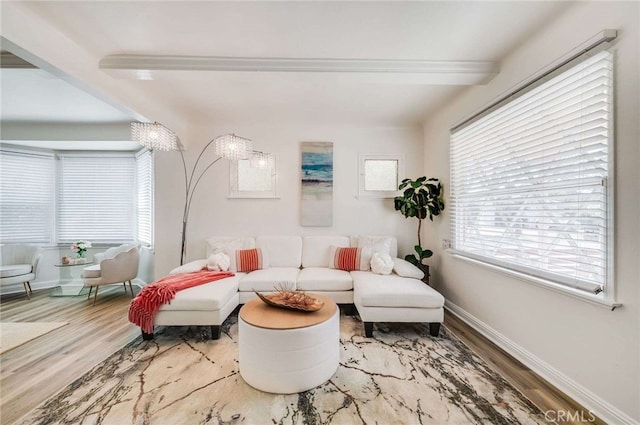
(156, 136)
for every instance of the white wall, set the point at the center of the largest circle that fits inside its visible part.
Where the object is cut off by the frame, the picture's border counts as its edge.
(589, 351)
(214, 214)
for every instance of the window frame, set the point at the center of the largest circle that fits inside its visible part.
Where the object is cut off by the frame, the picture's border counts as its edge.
(379, 194)
(235, 193)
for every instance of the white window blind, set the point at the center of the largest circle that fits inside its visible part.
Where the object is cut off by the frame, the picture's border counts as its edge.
(144, 170)
(96, 198)
(529, 180)
(27, 187)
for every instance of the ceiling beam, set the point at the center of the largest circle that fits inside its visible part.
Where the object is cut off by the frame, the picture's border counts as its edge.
(148, 67)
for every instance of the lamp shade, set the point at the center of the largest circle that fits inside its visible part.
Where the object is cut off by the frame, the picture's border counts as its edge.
(261, 160)
(154, 136)
(233, 147)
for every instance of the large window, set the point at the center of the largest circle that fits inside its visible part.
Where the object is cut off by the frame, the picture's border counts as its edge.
(529, 179)
(48, 197)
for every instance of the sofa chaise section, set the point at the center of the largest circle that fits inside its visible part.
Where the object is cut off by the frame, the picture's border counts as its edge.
(392, 298)
(204, 305)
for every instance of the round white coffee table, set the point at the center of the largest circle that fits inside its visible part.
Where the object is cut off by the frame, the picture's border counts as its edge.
(285, 351)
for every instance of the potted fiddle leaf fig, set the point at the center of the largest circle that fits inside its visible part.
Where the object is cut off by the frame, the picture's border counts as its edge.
(421, 198)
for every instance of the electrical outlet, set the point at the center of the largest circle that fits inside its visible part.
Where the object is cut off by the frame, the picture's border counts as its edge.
(446, 244)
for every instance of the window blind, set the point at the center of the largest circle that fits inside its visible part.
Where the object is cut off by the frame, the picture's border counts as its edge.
(144, 171)
(96, 198)
(529, 180)
(26, 197)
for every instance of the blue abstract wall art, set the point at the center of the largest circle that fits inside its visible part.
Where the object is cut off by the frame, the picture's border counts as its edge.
(317, 184)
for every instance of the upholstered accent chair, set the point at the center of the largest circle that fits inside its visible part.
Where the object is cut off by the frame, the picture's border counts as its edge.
(115, 265)
(19, 265)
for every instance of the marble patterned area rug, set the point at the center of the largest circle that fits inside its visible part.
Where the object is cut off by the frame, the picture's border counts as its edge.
(401, 376)
(14, 334)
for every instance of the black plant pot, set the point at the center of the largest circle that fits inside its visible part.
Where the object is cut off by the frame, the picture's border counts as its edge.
(425, 269)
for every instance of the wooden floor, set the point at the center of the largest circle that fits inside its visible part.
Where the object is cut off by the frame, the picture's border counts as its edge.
(35, 371)
(38, 369)
(540, 392)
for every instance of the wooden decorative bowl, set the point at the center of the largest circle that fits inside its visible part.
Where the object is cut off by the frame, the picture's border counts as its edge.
(292, 300)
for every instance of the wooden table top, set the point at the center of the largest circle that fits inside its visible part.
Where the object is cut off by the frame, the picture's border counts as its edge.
(257, 313)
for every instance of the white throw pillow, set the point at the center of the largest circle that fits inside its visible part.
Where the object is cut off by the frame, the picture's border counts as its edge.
(406, 269)
(381, 263)
(218, 244)
(193, 266)
(372, 244)
(218, 262)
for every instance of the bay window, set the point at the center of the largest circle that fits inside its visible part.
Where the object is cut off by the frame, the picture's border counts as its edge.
(60, 197)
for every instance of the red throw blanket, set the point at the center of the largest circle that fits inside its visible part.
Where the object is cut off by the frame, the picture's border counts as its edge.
(146, 304)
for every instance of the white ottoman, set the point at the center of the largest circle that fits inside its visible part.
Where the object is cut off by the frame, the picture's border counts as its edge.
(284, 351)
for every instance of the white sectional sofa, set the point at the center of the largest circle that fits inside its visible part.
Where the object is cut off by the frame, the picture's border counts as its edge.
(303, 263)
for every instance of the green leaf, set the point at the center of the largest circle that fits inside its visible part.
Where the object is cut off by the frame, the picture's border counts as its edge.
(412, 259)
(426, 254)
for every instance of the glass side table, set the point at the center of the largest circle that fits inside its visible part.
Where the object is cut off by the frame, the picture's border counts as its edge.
(70, 285)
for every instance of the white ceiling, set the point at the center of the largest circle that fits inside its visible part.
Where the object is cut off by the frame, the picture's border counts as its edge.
(431, 31)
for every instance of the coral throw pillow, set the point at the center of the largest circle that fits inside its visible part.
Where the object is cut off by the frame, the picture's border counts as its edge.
(346, 258)
(248, 260)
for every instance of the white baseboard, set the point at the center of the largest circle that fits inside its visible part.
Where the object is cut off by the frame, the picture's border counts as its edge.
(582, 395)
